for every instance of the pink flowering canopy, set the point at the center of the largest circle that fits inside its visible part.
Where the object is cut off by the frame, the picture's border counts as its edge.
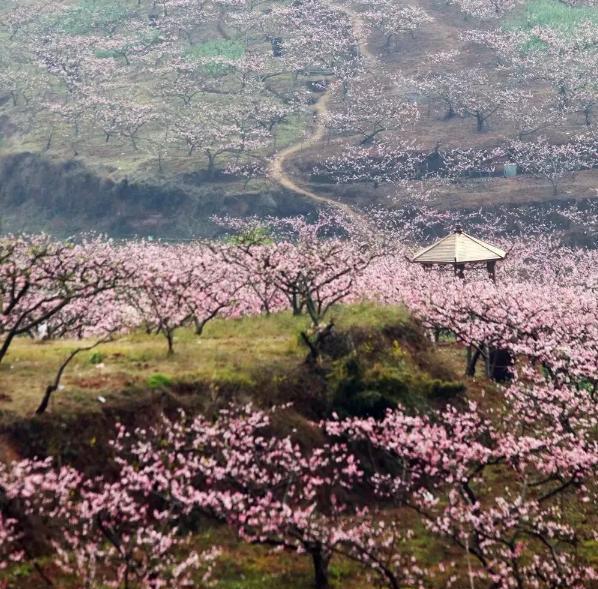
(493, 483)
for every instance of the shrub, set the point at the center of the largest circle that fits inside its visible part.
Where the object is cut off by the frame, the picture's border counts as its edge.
(362, 386)
(159, 381)
(96, 358)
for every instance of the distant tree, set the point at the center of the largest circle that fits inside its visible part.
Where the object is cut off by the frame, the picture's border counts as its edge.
(369, 108)
(393, 20)
(549, 161)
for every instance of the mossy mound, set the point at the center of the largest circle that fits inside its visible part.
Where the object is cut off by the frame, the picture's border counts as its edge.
(390, 367)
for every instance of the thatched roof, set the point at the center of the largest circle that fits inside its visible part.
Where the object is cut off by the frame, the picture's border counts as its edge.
(458, 247)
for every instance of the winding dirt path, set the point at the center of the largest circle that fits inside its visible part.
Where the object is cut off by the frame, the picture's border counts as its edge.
(276, 170)
(277, 167)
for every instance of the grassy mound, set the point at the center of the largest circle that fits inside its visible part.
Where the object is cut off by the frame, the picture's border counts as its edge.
(378, 357)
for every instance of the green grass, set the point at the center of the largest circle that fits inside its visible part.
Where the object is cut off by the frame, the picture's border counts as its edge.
(231, 352)
(91, 15)
(225, 48)
(551, 13)
(291, 130)
(158, 381)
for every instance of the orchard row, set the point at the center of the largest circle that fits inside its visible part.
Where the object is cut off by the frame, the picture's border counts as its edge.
(543, 306)
(495, 497)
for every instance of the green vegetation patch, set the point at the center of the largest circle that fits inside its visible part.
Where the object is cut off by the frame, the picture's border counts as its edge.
(96, 358)
(551, 13)
(257, 235)
(218, 48)
(158, 381)
(92, 15)
(380, 374)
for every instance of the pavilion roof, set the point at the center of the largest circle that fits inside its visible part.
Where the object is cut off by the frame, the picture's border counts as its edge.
(459, 247)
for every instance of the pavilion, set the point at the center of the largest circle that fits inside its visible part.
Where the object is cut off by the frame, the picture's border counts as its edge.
(460, 249)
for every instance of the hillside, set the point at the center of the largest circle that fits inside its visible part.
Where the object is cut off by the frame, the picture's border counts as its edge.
(298, 294)
(141, 118)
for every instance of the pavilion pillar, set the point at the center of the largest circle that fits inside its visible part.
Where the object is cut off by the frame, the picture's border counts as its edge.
(459, 270)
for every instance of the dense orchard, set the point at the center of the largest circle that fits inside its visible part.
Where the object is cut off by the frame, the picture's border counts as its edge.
(220, 81)
(222, 85)
(269, 489)
(495, 484)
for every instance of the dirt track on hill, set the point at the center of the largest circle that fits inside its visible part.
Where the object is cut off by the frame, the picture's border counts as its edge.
(276, 170)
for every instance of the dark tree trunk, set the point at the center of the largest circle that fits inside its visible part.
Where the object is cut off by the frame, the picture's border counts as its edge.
(43, 406)
(320, 562)
(55, 384)
(49, 141)
(316, 342)
(368, 139)
(170, 339)
(199, 325)
(498, 364)
(473, 355)
(6, 344)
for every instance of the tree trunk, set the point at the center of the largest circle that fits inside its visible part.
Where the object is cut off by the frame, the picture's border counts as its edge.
(498, 364)
(55, 384)
(588, 116)
(320, 562)
(51, 388)
(316, 342)
(170, 339)
(473, 355)
(391, 578)
(479, 122)
(199, 325)
(211, 159)
(296, 304)
(49, 141)
(6, 344)
(370, 137)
